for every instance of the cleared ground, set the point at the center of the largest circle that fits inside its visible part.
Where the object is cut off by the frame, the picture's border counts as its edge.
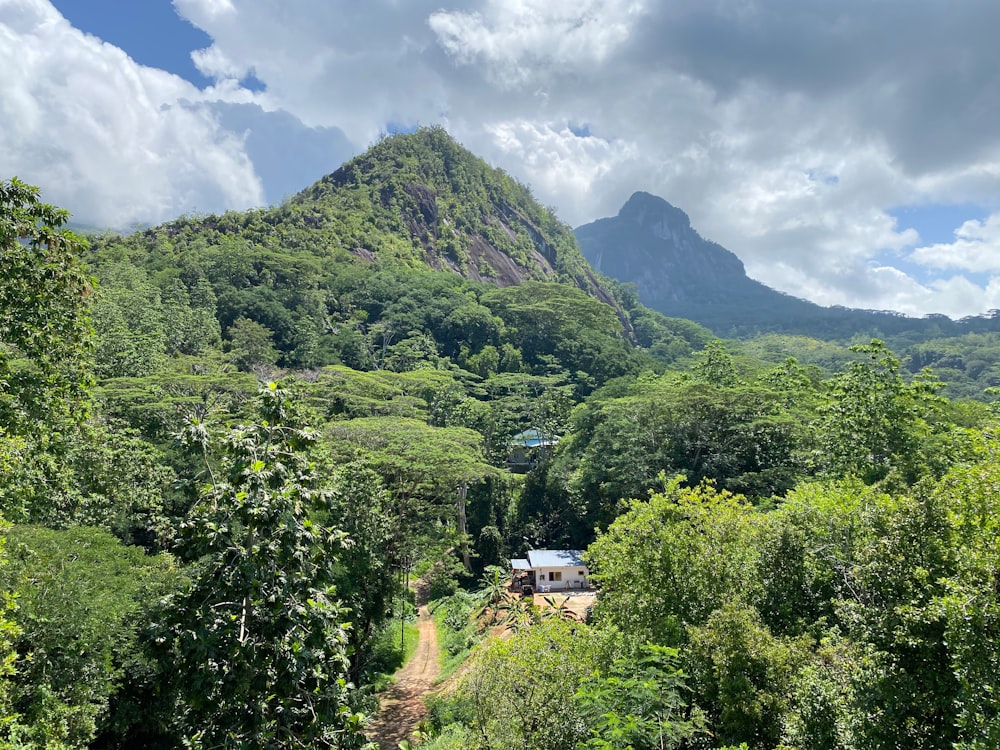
(576, 601)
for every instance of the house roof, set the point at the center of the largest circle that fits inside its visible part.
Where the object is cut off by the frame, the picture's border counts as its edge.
(556, 558)
(533, 438)
(520, 564)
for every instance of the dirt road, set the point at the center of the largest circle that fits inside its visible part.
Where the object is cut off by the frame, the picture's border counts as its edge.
(402, 706)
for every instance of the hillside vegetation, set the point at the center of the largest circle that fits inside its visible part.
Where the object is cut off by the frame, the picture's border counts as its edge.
(230, 444)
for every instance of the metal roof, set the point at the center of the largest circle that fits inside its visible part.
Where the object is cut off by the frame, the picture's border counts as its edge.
(556, 558)
(533, 438)
(520, 564)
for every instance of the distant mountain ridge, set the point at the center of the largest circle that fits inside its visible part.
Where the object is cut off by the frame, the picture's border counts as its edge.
(651, 244)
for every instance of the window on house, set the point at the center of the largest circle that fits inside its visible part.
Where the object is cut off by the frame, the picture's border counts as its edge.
(583, 572)
(541, 576)
(555, 576)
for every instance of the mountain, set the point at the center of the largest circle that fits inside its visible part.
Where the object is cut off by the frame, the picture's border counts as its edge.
(417, 200)
(651, 244)
(416, 247)
(421, 199)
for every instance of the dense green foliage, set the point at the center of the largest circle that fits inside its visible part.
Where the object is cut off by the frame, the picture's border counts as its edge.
(840, 595)
(258, 633)
(338, 274)
(82, 598)
(44, 332)
(229, 458)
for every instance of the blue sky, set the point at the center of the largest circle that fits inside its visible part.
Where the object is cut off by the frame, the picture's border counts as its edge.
(847, 152)
(150, 31)
(936, 222)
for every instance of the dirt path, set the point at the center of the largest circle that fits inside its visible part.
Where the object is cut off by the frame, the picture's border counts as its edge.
(402, 706)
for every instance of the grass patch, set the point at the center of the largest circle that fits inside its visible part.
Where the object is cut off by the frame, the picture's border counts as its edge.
(457, 632)
(411, 637)
(387, 655)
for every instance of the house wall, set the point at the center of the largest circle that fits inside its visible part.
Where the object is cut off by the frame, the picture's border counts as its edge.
(572, 578)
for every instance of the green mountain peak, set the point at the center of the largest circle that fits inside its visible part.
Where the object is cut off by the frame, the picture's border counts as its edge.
(394, 234)
(421, 199)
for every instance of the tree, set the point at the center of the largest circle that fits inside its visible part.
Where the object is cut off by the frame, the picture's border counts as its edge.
(741, 437)
(44, 324)
(364, 580)
(189, 319)
(255, 647)
(132, 332)
(45, 341)
(970, 601)
(83, 599)
(669, 562)
(251, 344)
(423, 467)
(557, 324)
(873, 421)
(9, 633)
(640, 705)
(715, 365)
(742, 674)
(873, 567)
(119, 483)
(521, 689)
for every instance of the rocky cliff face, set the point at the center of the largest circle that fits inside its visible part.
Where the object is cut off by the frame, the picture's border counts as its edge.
(678, 272)
(652, 244)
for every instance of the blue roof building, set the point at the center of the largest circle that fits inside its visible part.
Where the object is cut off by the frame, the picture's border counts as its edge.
(528, 448)
(556, 558)
(546, 570)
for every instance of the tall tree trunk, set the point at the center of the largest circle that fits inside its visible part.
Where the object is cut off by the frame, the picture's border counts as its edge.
(463, 535)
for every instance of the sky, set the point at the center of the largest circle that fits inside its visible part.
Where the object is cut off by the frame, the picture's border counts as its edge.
(848, 152)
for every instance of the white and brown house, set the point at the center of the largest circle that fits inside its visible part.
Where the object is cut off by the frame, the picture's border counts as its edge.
(546, 570)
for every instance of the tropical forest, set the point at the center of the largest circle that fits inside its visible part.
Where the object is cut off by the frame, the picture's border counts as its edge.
(252, 464)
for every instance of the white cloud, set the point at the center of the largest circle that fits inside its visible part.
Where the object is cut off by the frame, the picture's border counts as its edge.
(355, 66)
(787, 130)
(213, 63)
(976, 248)
(113, 141)
(520, 41)
(958, 297)
(553, 158)
(213, 8)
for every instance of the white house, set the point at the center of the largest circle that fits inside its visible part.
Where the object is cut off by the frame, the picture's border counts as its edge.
(548, 570)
